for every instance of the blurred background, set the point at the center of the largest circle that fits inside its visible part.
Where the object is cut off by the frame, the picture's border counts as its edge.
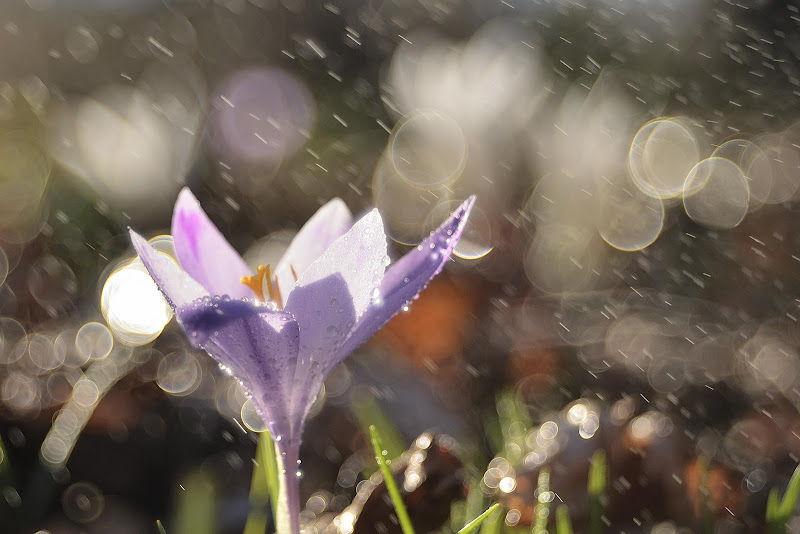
(628, 280)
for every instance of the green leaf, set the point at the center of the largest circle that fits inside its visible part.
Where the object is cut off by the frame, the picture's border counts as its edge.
(543, 497)
(772, 519)
(475, 500)
(494, 523)
(789, 501)
(779, 511)
(473, 525)
(267, 457)
(263, 487)
(160, 527)
(391, 484)
(514, 425)
(563, 522)
(598, 473)
(598, 479)
(195, 512)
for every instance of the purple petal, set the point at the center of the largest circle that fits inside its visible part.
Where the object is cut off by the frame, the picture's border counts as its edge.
(358, 259)
(175, 284)
(329, 298)
(407, 277)
(329, 223)
(203, 251)
(257, 344)
(326, 316)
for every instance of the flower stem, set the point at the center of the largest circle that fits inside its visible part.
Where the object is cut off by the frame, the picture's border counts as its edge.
(288, 513)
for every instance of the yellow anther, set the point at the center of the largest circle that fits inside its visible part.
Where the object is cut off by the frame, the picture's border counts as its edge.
(267, 280)
(277, 289)
(256, 283)
(264, 278)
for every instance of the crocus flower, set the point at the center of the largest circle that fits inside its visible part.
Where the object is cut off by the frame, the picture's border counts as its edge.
(281, 332)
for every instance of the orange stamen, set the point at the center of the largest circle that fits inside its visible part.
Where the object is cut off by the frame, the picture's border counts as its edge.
(294, 273)
(270, 284)
(278, 293)
(256, 284)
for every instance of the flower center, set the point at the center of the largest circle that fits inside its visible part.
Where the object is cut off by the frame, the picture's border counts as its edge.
(264, 280)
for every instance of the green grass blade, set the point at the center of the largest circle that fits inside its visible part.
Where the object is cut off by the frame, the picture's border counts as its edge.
(514, 425)
(160, 527)
(369, 413)
(772, 519)
(475, 500)
(263, 487)
(473, 525)
(493, 523)
(391, 485)
(543, 497)
(266, 456)
(563, 522)
(789, 501)
(598, 473)
(196, 513)
(598, 479)
(772, 505)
